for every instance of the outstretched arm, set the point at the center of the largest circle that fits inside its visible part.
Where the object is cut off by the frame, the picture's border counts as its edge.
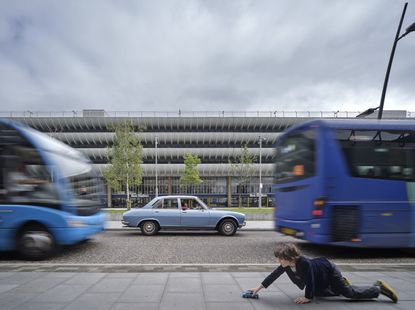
(255, 290)
(273, 276)
(268, 280)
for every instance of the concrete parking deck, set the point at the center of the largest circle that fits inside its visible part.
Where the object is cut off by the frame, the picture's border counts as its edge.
(180, 290)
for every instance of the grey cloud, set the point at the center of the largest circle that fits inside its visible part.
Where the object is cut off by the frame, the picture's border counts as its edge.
(198, 55)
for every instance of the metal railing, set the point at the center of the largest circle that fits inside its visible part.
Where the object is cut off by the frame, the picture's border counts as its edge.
(179, 113)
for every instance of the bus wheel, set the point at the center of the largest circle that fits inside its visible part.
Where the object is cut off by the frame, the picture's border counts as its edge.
(227, 227)
(149, 228)
(35, 243)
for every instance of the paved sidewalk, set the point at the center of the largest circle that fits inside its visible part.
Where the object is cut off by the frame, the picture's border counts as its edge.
(180, 290)
(250, 225)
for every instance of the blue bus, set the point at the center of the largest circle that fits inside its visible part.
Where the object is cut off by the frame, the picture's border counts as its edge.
(347, 183)
(50, 195)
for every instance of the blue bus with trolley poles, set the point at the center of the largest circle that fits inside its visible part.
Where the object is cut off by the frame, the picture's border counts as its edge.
(50, 195)
(347, 183)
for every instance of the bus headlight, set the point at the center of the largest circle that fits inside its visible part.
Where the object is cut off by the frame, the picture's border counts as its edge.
(76, 223)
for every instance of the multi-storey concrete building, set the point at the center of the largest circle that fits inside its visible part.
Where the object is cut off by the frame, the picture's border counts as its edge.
(216, 137)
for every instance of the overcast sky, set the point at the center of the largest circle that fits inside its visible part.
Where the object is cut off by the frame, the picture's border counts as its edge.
(204, 55)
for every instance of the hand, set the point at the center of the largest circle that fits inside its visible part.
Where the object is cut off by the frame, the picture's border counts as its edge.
(302, 300)
(254, 290)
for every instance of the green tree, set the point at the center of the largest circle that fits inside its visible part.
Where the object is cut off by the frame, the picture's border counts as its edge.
(191, 174)
(126, 157)
(243, 168)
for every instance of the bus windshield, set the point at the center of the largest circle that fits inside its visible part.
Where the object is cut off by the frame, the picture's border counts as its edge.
(47, 143)
(39, 170)
(296, 157)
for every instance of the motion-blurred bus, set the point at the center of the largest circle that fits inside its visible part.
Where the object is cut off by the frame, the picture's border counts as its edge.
(347, 183)
(50, 194)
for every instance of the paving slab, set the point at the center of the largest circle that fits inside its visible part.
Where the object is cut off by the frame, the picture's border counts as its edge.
(111, 285)
(93, 301)
(61, 293)
(143, 293)
(135, 306)
(182, 301)
(41, 306)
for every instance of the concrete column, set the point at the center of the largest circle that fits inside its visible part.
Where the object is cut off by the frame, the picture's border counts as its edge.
(229, 191)
(169, 185)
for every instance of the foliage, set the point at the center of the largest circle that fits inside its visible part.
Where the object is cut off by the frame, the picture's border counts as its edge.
(126, 157)
(191, 174)
(243, 165)
(243, 168)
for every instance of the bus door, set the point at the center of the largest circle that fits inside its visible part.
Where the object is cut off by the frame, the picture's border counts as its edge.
(297, 183)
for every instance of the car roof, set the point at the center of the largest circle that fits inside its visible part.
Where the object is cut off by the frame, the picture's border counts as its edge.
(176, 196)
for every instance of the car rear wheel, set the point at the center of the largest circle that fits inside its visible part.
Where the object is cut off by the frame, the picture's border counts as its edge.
(227, 227)
(34, 242)
(149, 228)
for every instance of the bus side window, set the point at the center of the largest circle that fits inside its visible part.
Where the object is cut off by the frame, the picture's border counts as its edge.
(407, 173)
(2, 178)
(393, 159)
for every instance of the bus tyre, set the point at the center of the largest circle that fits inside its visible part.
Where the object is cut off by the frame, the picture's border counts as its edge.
(35, 243)
(227, 227)
(149, 228)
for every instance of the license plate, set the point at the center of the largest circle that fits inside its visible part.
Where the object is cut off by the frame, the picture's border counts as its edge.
(288, 231)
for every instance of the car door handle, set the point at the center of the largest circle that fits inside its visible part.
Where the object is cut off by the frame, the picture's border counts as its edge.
(184, 211)
(156, 211)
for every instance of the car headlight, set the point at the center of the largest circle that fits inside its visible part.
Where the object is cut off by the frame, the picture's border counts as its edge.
(76, 223)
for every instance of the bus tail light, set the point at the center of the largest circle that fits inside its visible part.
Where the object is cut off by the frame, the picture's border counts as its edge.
(319, 203)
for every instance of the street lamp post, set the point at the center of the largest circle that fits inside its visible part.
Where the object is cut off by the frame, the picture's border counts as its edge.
(411, 28)
(385, 83)
(157, 189)
(260, 172)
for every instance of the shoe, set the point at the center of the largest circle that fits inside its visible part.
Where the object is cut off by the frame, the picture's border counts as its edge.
(386, 290)
(347, 281)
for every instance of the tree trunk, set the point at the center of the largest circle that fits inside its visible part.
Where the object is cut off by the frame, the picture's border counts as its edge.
(229, 191)
(128, 194)
(128, 189)
(109, 196)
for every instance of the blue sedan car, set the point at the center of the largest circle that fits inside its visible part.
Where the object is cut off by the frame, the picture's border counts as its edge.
(182, 212)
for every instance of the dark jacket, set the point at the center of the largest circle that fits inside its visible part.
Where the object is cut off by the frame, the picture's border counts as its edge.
(314, 274)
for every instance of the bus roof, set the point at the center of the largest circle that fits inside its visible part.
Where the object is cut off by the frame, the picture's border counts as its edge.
(357, 124)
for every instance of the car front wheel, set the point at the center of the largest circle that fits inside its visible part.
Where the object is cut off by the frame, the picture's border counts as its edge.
(227, 228)
(35, 243)
(149, 228)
